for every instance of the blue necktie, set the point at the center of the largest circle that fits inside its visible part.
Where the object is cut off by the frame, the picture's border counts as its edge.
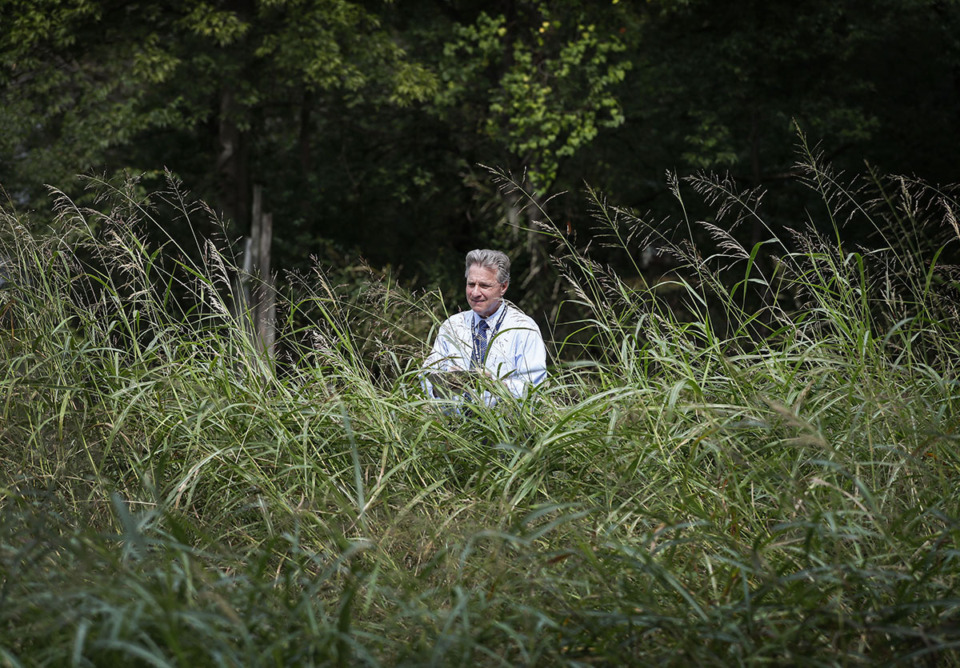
(482, 340)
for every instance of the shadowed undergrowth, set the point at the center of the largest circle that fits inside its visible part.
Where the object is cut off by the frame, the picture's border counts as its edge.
(759, 465)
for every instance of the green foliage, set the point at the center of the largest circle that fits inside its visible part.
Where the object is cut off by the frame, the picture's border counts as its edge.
(761, 470)
(365, 123)
(548, 83)
(71, 99)
(740, 74)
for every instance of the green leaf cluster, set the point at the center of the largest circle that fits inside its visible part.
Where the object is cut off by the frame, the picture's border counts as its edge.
(550, 83)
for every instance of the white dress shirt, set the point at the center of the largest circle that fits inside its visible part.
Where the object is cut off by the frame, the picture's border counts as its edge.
(515, 352)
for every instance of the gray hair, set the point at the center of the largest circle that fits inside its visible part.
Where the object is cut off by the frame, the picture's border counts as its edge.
(490, 259)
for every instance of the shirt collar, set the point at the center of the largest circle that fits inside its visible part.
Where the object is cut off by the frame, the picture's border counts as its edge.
(492, 318)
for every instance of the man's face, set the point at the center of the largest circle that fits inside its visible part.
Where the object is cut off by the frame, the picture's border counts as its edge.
(483, 291)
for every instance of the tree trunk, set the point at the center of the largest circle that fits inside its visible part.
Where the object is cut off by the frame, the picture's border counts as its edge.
(232, 169)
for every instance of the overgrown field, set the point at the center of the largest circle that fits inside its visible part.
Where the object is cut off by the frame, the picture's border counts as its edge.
(756, 462)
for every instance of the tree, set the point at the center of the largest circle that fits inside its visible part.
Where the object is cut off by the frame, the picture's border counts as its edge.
(93, 84)
(71, 90)
(732, 79)
(366, 122)
(526, 85)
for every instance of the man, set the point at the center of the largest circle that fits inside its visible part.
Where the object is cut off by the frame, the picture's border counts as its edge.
(494, 337)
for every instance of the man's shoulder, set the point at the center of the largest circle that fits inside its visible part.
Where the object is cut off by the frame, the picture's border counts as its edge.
(457, 320)
(518, 319)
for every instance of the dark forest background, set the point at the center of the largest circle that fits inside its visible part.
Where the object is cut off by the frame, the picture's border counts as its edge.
(368, 125)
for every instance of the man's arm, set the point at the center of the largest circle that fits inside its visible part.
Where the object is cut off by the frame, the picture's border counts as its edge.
(530, 362)
(444, 356)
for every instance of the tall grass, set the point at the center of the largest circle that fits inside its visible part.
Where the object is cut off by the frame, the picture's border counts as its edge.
(759, 465)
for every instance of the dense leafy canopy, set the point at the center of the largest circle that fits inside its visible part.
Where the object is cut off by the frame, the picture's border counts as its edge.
(367, 122)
